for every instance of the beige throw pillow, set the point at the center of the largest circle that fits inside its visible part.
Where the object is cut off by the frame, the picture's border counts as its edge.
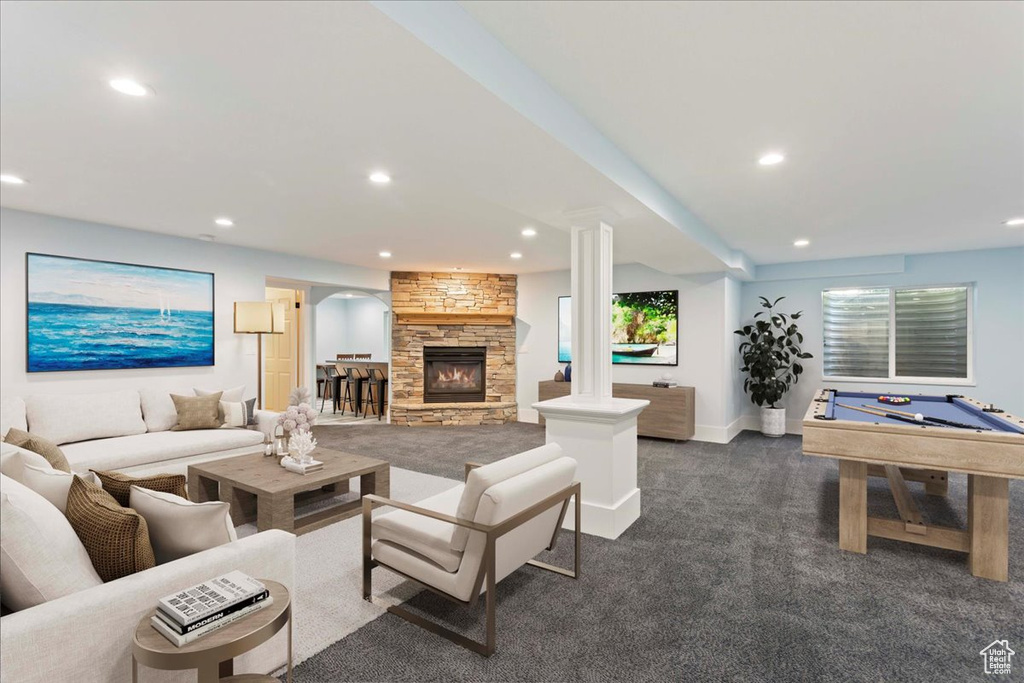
(119, 485)
(116, 538)
(37, 444)
(179, 527)
(197, 412)
(41, 558)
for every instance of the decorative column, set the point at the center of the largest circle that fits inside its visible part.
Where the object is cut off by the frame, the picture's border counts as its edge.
(598, 431)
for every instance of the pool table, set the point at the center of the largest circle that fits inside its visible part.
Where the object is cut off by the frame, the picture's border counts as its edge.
(975, 439)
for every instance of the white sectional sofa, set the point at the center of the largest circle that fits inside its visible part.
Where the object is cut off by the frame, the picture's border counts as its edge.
(87, 636)
(127, 431)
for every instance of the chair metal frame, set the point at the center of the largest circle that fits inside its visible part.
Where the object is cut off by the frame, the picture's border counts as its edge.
(487, 566)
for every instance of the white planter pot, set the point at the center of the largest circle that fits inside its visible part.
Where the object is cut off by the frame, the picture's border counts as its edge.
(773, 421)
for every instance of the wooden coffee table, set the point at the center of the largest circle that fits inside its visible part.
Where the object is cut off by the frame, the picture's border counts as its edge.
(259, 489)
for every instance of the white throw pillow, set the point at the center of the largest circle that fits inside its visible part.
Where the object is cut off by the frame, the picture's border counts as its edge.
(179, 527)
(483, 478)
(158, 410)
(66, 418)
(51, 484)
(229, 395)
(41, 558)
(238, 414)
(14, 458)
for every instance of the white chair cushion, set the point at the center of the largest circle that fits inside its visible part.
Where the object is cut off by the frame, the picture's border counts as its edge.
(430, 538)
(234, 395)
(178, 527)
(51, 484)
(33, 572)
(158, 410)
(68, 418)
(141, 449)
(14, 458)
(12, 415)
(482, 478)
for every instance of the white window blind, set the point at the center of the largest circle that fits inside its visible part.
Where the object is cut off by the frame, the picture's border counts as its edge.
(892, 333)
(856, 334)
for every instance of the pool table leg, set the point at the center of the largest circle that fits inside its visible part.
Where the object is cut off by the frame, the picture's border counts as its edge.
(853, 506)
(988, 524)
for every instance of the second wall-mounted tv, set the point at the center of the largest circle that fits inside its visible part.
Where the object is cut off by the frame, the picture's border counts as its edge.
(644, 328)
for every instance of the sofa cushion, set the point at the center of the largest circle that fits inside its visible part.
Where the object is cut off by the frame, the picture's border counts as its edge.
(120, 485)
(234, 394)
(197, 412)
(14, 458)
(32, 572)
(158, 409)
(428, 537)
(116, 538)
(240, 414)
(66, 418)
(44, 447)
(482, 478)
(178, 527)
(12, 415)
(51, 484)
(142, 449)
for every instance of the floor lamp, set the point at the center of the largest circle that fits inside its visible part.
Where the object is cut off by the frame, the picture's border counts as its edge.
(259, 318)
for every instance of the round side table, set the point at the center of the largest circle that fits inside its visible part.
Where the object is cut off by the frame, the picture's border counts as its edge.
(213, 654)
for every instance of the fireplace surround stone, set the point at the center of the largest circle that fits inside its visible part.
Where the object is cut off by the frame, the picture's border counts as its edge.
(461, 296)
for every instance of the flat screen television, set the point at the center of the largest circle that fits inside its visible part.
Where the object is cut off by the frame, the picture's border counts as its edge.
(644, 328)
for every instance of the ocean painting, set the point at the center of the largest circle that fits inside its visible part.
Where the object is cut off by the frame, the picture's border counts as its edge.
(643, 328)
(98, 315)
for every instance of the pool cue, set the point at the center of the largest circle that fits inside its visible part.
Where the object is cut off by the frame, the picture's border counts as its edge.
(878, 413)
(938, 420)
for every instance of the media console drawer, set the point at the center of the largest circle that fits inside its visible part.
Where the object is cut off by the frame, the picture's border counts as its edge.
(670, 415)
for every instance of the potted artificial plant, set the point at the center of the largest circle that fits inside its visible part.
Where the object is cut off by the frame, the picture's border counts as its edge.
(770, 351)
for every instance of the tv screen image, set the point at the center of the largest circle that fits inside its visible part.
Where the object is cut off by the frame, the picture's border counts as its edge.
(644, 328)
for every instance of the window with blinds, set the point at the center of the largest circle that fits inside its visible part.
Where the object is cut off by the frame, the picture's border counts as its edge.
(897, 333)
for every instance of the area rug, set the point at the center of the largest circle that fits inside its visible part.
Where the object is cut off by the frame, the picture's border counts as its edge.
(327, 595)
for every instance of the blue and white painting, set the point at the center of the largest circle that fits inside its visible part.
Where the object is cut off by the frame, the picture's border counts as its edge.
(98, 315)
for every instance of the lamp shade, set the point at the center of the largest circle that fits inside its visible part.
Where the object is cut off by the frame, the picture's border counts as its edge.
(259, 317)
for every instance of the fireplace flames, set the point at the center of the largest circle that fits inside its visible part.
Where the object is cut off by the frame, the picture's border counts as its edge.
(451, 375)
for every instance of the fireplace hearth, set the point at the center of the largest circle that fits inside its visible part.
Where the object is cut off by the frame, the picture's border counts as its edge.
(454, 374)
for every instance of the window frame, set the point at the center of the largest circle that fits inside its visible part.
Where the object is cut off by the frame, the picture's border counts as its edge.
(902, 379)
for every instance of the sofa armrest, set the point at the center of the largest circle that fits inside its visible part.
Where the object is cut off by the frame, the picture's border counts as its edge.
(92, 630)
(266, 421)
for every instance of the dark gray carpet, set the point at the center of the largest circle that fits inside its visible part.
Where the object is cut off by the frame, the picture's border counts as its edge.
(733, 573)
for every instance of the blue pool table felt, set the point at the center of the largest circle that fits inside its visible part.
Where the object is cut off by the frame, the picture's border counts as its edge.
(931, 406)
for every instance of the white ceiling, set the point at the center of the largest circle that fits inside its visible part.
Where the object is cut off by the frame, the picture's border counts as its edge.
(903, 122)
(274, 114)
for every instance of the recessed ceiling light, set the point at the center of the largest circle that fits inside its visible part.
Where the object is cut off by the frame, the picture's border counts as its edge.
(380, 177)
(11, 179)
(224, 222)
(385, 254)
(772, 158)
(127, 86)
(801, 243)
(515, 254)
(348, 296)
(529, 232)
(1014, 222)
(456, 267)
(207, 238)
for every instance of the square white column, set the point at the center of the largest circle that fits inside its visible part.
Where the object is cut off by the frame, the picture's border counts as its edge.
(598, 431)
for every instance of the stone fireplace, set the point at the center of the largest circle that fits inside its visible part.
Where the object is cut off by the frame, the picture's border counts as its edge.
(454, 374)
(453, 349)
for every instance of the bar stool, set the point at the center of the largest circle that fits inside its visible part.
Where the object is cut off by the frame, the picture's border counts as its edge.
(380, 378)
(327, 382)
(349, 377)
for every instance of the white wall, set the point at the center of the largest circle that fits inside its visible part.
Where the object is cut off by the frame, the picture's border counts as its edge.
(708, 309)
(354, 325)
(998, 276)
(240, 275)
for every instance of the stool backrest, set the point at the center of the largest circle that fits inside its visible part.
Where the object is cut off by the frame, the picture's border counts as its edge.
(363, 356)
(345, 356)
(340, 370)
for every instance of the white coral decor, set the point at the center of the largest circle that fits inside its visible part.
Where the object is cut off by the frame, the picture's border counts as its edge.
(301, 445)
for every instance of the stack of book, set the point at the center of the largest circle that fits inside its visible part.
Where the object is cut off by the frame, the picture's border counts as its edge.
(208, 606)
(293, 465)
(664, 383)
